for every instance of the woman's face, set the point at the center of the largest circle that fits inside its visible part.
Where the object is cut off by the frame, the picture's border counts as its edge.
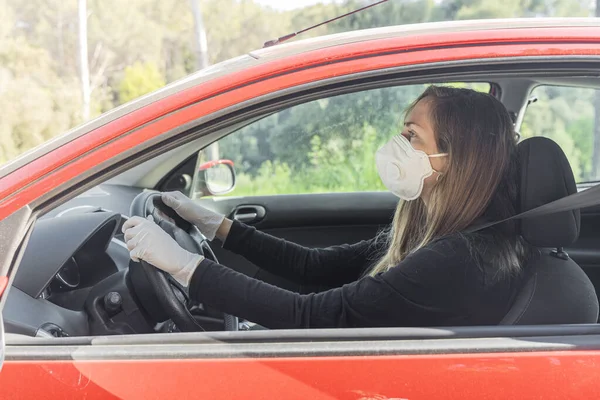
(418, 129)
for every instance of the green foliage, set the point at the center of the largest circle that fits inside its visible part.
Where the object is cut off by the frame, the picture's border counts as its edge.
(565, 114)
(138, 80)
(331, 169)
(36, 104)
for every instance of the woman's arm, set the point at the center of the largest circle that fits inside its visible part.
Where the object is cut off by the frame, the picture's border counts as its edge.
(419, 292)
(334, 265)
(437, 285)
(275, 308)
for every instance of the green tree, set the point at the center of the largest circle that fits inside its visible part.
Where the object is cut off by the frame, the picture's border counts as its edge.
(139, 79)
(565, 114)
(36, 103)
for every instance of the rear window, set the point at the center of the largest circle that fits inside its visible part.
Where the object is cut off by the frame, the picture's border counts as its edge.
(566, 115)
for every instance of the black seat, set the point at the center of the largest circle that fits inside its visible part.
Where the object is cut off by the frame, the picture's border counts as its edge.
(556, 290)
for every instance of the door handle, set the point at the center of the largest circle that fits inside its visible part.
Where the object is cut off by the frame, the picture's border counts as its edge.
(247, 217)
(248, 213)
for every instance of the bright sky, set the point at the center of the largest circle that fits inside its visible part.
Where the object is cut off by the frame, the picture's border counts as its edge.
(291, 4)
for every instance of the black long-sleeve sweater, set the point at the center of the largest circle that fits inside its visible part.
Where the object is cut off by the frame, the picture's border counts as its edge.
(438, 285)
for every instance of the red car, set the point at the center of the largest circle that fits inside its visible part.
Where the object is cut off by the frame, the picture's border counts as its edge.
(79, 324)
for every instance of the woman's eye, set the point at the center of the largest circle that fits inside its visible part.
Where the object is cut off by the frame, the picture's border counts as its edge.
(411, 134)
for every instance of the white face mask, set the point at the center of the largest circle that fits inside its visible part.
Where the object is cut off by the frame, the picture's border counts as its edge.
(403, 169)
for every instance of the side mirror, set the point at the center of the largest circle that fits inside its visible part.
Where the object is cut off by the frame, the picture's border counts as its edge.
(215, 178)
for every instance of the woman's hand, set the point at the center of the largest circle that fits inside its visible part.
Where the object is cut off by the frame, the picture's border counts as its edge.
(210, 223)
(148, 242)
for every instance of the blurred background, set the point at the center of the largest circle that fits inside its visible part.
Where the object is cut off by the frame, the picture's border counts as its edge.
(63, 62)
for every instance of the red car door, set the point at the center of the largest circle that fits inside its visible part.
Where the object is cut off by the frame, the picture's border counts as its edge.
(399, 363)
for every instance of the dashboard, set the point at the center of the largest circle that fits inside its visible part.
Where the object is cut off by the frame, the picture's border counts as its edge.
(111, 198)
(67, 255)
(76, 277)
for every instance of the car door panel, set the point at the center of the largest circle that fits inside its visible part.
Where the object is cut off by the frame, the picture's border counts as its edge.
(319, 209)
(311, 220)
(403, 363)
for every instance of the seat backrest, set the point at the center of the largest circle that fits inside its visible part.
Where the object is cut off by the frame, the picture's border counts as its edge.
(556, 290)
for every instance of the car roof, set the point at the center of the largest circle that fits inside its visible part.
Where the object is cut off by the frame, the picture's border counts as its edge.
(290, 49)
(430, 28)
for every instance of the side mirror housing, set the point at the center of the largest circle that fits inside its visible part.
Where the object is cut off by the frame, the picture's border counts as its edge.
(215, 178)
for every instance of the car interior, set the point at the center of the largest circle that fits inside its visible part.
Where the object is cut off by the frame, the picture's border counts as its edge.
(76, 279)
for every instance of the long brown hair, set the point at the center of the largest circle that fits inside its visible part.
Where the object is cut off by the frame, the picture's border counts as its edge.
(477, 132)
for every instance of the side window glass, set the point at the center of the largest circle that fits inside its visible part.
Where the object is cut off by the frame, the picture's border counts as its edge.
(566, 115)
(322, 146)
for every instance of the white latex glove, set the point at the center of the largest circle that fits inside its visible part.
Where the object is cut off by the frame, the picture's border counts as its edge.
(148, 242)
(206, 220)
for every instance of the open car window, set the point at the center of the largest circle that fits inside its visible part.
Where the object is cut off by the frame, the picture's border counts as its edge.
(323, 146)
(566, 115)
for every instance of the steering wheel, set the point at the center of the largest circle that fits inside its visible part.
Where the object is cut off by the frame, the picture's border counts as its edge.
(188, 237)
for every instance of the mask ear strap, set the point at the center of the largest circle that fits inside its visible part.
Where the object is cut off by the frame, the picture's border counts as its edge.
(438, 172)
(438, 155)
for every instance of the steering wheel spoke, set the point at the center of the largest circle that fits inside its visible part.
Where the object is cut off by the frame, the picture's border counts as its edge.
(172, 296)
(180, 291)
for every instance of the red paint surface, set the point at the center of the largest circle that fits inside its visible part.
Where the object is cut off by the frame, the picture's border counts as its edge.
(3, 284)
(545, 375)
(210, 164)
(25, 185)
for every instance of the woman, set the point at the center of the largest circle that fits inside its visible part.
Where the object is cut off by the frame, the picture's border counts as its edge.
(453, 166)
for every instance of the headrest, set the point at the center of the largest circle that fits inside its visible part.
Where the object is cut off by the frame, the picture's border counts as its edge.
(546, 176)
